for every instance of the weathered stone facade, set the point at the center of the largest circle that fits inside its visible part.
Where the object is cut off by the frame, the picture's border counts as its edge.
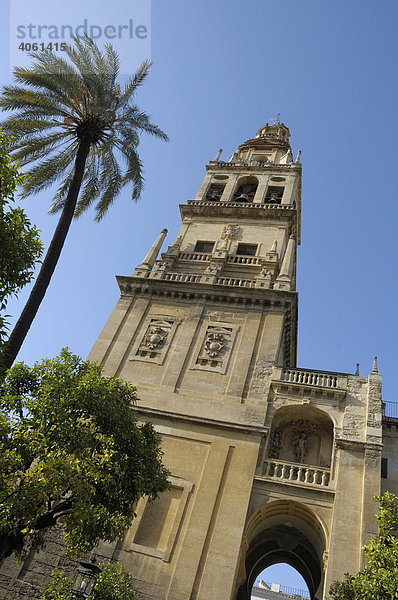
(270, 463)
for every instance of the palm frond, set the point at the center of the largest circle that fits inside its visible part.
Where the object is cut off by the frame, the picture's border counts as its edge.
(46, 172)
(63, 101)
(91, 186)
(37, 146)
(110, 180)
(59, 198)
(30, 102)
(135, 82)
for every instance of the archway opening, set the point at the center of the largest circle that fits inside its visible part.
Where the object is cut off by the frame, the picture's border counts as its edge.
(283, 531)
(279, 578)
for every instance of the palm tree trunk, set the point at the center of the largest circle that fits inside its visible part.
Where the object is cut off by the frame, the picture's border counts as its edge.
(39, 289)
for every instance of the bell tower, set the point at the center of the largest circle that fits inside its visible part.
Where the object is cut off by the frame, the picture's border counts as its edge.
(269, 463)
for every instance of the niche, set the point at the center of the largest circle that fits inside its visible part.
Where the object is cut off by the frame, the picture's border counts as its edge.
(302, 435)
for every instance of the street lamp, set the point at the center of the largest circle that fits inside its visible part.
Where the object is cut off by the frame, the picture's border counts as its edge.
(86, 577)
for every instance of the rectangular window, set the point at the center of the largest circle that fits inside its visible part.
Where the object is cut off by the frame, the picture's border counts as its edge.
(204, 246)
(247, 249)
(384, 468)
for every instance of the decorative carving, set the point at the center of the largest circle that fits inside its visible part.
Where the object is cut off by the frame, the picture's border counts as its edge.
(301, 445)
(275, 443)
(325, 557)
(301, 442)
(160, 265)
(155, 337)
(216, 348)
(230, 232)
(214, 344)
(155, 340)
(211, 270)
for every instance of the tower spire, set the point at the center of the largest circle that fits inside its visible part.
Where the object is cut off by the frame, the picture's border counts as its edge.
(152, 255)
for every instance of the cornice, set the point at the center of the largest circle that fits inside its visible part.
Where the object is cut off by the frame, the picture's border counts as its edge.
(344, 444)
(196, 420)
(282, 484)
(242, 166)
(143, 286)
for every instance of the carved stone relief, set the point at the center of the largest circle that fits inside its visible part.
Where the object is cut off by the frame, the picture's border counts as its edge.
(229, 232)
(215, 348)
(300, 441)
(214, 344)
(155, 340)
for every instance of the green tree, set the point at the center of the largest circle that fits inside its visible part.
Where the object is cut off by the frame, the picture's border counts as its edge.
(72, 119)
(378, 580)
(114, 583)
(20, 246)
(71, 451)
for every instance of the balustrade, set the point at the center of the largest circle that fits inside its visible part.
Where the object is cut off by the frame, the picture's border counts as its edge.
(309, 378)
(244, 260)
(182, 277)
(236, 282)
(243, 204)
(304, 474)
(194, 256)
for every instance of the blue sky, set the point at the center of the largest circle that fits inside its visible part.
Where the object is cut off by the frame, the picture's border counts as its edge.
(221, 70)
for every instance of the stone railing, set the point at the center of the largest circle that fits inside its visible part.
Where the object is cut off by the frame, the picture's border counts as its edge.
(194, 256)
(242, 204)
(193, 278)
(251, 283)
(244, 260)
(329, 380)
(186, 277)
(299, 473)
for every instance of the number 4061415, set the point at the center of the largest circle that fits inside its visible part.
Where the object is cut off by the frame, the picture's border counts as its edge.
(28, 47)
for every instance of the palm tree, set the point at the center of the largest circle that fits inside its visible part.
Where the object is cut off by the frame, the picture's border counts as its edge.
(74, 122)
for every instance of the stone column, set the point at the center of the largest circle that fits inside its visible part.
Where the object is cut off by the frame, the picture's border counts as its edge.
(261, 189)
(229, 189)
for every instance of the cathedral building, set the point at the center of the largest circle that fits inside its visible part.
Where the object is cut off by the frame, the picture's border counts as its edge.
(269, 462)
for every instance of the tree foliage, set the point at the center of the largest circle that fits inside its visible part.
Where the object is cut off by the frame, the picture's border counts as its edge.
(20, 246)
(74, 123)
(114, 583)
(378, 580)
(71, 451)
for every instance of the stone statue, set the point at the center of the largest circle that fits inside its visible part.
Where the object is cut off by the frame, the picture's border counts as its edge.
(301, 445)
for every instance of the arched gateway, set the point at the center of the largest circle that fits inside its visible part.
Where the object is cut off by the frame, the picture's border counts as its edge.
(268, 462)
(283, 531)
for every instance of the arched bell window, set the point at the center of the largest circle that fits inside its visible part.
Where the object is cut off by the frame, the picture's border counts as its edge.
(246, 189)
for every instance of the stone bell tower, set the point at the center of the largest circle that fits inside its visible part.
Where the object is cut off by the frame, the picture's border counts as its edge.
(269, 463)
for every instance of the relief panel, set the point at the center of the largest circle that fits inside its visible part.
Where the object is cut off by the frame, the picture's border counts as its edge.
(154, 344)
(216, 343)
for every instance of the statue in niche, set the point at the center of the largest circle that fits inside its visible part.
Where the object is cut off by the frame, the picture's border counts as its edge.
(301, 445)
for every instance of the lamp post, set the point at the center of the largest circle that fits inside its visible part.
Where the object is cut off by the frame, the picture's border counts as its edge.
(85, 579)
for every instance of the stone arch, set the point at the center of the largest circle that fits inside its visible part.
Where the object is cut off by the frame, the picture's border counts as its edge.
(216, 187)
(245, 189)
(301, 434)
(283, 531)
